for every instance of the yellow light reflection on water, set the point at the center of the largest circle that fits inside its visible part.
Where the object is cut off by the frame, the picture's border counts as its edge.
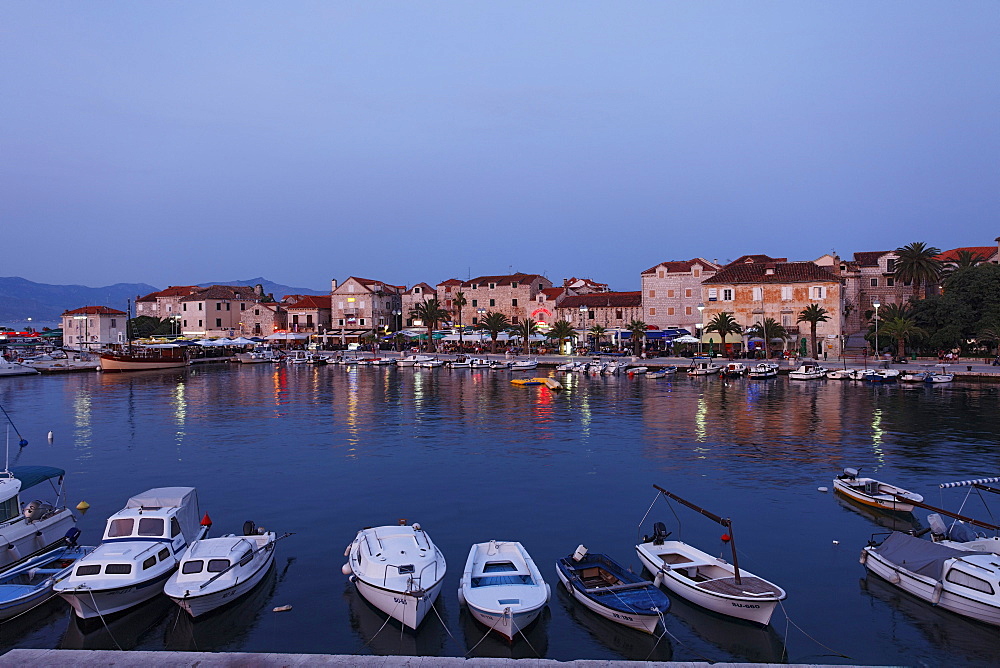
(351, 413)
(877, 435)
(81, 422)
(180, 410)
(701, 419)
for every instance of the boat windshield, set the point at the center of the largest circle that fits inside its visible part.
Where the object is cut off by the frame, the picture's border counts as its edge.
(151, 526)
(217, 565)
(193, 566)
(121, 527)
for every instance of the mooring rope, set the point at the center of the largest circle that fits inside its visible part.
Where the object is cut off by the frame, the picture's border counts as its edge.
(488, 631)
(447, 630)
(677, 640)
(789, 620)
(370, 641)
(101, 615)
(24, 612)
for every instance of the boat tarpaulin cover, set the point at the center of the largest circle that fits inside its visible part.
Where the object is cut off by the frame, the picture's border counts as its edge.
(917, 555)
(184, 498)
(32, 475)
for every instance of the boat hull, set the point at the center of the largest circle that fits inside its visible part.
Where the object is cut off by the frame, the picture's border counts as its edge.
(406, 608)
(91, 603)
(113, 363)
(196, 606)
(882, 502)
(506, 623)
(757, 609)
(29, 538)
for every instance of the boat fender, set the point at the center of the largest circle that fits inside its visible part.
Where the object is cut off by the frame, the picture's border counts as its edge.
(461, 597)
(347, 552)
(658, 580)
(894, 578)
(548, 592)
(936, 595)
(346, 569)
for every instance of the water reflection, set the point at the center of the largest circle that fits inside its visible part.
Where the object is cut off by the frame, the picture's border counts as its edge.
(124, 631)
(746, 642)
(385, 636)
(627, 643)
(533, 643)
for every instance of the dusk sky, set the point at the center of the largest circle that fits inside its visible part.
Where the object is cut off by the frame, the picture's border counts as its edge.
(174, 143)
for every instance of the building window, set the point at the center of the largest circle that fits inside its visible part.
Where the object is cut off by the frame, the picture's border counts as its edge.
(475, 303)
(218, 306)
(475, 286)
(890, 282)
(493, 302)
(514, 285)
(819, 292)
(687, 292)
(199, 323)
(475, 320)
(590, 315)
(256, 311)
(697, 272)
(670, 294)
(493, 286)
(243, 307)
(295, 319)
(114, 323)
(652, 294)
(786, 320)
(513, 320)
(618, 315)
(200, 304)
(184, 307)
(786, 294)
(890, 266)
(218, 322)
(185, 323)
(659, 274)
(670, 311)
(340, 321)
(687, 310)
(227, 306)
(758, 294)
(652, 311)
(362, 322)
(727, 295)
(874, 282)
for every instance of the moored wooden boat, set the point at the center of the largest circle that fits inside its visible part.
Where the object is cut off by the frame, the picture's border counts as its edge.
(871, 492)
(142, 358)
(705, 580)
(502, 587)
(29, 584)
(608, 589)
(763, 370)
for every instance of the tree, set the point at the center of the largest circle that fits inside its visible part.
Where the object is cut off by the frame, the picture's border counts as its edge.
(637, 328)
(901, 329)
(768, 329)
(918, 264)
(430, 313)
(143, 326)
(458, 302)
(964, 259)
(494, 323)
(813, 314)
(990, 331)
(725, 324)
(560, 331)
(597, 331)
(525, 330)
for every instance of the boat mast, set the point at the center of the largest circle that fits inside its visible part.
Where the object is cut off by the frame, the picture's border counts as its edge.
(724, 521)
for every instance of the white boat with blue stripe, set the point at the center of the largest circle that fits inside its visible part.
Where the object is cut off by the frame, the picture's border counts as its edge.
(503, 587)
(142, 546)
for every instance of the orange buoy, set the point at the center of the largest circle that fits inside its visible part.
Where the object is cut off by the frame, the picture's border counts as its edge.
(206, 521)
(726, 538)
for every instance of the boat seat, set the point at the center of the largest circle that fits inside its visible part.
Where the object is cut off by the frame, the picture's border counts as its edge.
(749, 586)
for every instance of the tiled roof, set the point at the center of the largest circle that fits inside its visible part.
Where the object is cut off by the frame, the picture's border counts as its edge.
(502, 280)
(553, 293)
(751, 259)
(240, 292)
(309, 301)
(603, 299)
(869, 258)
(450, 281)
(682, 266)
(985, 252)
(172, 291)
(426, 288)
(784, 272)
(95, 310)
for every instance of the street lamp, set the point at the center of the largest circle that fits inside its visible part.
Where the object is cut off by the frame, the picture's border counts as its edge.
(701, 317)
(397, 316)
(876, 304)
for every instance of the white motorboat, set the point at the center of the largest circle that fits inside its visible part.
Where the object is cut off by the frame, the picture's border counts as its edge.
(503, 587)
(500, 365)
(703, 367)
(935, 377)
(763, 370)
(524, 365)
(808, 372)
(432, 363)
(568, 366)
(398, 570)
(596, 366)
(460, 362)
(40, 525)
(413, 360)
(479, 363)
(380, 361)
(297, 357)
(15, 369)
(141, 548)
(964, 582)
(261, 354)
(881, 375)
(846, 374)
(218, 571)
(636, 370)
(612, 368)
(708, 581)
(734, 370)
(60, 362)
(871, 492)
(662, 372)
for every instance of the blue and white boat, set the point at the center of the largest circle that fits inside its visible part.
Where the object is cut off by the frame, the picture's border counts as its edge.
(29, 584)
(28, 528)
(503, 587)
(605, 587)
(142, 546)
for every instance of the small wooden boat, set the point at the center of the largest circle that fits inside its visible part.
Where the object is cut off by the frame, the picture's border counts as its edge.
(871, 492)
(763, 370)
(632, 370)
(734, 370)
(398, 570)
(705, 580)
(846, 374)
(808, 372)
(28, 584)
(502, 587)
(605, 587)
(523, 365)
(703, 367)
(882, 375)
(218, 571)
(662, 372)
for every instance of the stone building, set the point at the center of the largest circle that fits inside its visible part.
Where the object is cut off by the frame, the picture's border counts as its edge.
(216, 311)
(164, 303)
(361, 305)
(420, 292)
(584, 286)
(756, 287)
(91, 326)
(671, 292)
(263, 319)
(307, 314)
(611, 310)
(446, 292)
(513, 295)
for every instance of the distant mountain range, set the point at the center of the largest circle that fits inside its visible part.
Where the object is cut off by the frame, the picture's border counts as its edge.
(21, 299)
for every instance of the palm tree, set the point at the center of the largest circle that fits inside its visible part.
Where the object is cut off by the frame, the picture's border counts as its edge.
(918, 264)
(430, 313)
(637, 328)
(768, 329)
(597, 331)
(901, 329)
(725, 324)
(458, 302)
(813, 314)
(525, 330)
(964, 259)
(561, 330)
(494, 323)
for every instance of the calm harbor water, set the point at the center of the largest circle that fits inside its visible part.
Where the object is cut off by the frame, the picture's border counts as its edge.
(325, 451)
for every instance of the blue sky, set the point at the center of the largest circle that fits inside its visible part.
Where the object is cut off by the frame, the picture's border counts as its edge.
(172, 143)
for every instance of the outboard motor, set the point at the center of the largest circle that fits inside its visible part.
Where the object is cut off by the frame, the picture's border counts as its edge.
(72, 536)
(249, 528)
(36, 510)
(660, 533)
(938, 528)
